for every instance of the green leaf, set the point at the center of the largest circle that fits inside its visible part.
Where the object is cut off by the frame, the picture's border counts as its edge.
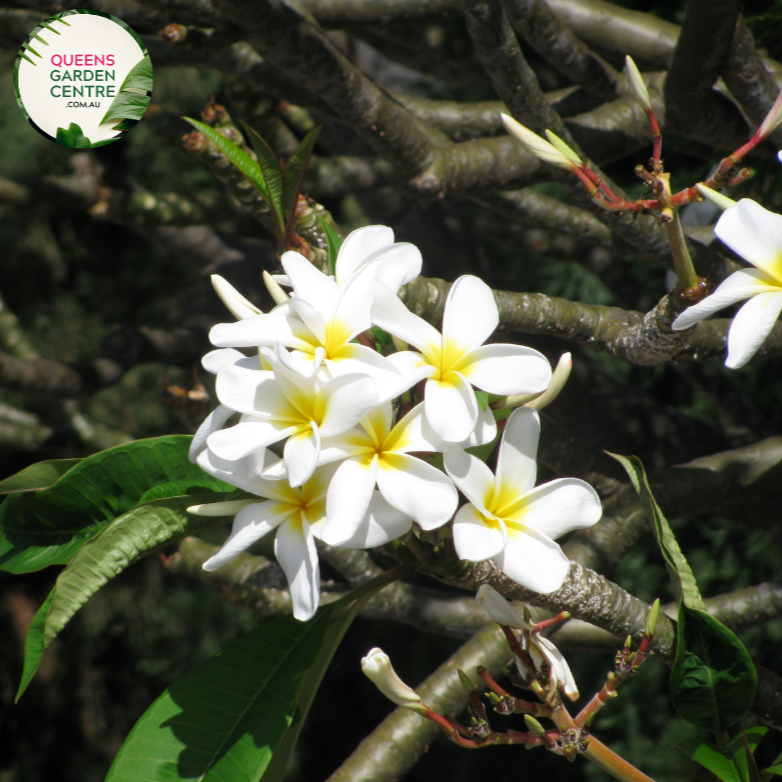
(73, 137)
(271, 171)
(679, 570)
(293, 174)
(768, 753)
(37, 476)
(133, 96)
(483, 399)
(126, 540)
(345, 611)
(713, 679)
(710, 757)
(334, 242)
(741, 749)
(48, 527)
(238, 157)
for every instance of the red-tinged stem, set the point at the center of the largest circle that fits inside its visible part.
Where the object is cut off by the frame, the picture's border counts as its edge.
(606, 694)
(450, 730)
(657, 140)
(616, 766)
(515, 647)
(562, 616)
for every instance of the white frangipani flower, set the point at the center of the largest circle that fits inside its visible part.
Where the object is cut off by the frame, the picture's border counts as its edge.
(510, 519)
(283, 403)
(457, 358)
(755, 234)
(295, 513)
(540, 649)
(377, 667)
(377, 453)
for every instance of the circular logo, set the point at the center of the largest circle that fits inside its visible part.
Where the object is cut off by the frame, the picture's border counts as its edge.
(83, 78)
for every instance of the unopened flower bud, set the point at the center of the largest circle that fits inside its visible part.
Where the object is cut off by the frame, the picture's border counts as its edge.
(637, 83)
(559, 378)
(534, 726)
(275, 290)
(465, 680)
(539, 147)
(228, 508)
(377, 666)
(772, 121)
(239, 307)
(651, 620)
(557, 142)
(718, 199)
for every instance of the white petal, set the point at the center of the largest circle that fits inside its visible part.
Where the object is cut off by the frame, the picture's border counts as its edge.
(381, 524)
(244, 438)
(228, 508)
(250, 524)
(353, 313)
(213, 360)
(412, 368)
(558, 664)
(295, 550)
(559, 507)
(507, 369)
(516, 462)
(257, 331)
(346, 400)
(214, 421)
(313, 317)
(417, 489)
(471, 476)
(485, 430)
(392, 316)
(397, 265)
(250, 391)
(751, 326)
(348, 498)
(451, 408)
(310, 284)
(499, 609)
(360, 359)
(471, 314)
(534, 561)
(472, 539)
(301, 455)
(413, 434)
(755, 234)
(740, 285)
(358, 246)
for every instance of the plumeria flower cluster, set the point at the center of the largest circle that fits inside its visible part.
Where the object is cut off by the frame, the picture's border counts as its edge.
(337, 431)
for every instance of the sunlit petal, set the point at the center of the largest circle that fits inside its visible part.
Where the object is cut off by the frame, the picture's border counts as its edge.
(506, 369)
(238, 441)
(534, 561)
(471, 476)
(214, 421)
(358, 246)
(258, 331)
(301, 455)
(310, 284)
(451, 408)
(397, 265)
(471, 314)
(345, 401)
(381, 524)
(473, 539)
(295, 550)
(215, 359)
(348, 498)
(517, 469)
(751, 326)
(255, 392)
(392, 316)
(755, 234)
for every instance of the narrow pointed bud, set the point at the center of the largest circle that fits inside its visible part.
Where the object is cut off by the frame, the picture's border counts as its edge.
(629, 642)
(637, 83)
(534, 726)
(499, 609)
(772, 121)
(238, 306)
(377, 667)
(275, 290)
(557, 142)
(559, 378)
(537, 146)
(229, 508)
(651, 620)
(465, 680)
(718, 199)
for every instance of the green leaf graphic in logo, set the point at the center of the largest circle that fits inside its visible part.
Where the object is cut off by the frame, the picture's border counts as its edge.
(134, 95)
(73, 137)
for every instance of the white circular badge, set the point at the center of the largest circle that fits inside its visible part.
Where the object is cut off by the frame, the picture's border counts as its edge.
(83, 78)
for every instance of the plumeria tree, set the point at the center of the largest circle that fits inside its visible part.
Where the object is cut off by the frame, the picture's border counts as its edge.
(431, 321)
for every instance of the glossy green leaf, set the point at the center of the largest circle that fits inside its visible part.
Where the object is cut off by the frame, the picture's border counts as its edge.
(133, 97)
(345, 611)
(73, 137)
(48, 527)
(334, 242)
(127, 539)
(741, 749)
(237, 156)
(679, 569)
(37, 476)
(293, 174)
(271, 171)
(483, 399)
(707, 755)
(713, 678)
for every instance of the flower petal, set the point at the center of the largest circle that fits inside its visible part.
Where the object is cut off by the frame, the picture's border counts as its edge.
(517, 468)
(295, 550)
(471, 314)
(250, 524)
(248, 436)
(358, 246)
(252, 391)
(506, 369)
(559, 666)
(352, 358)
(213, 360)
(381, 524)
(534, 561)
(259, 331)
(412, 433)
(310, 284)
(348, 498)
(473, 539)
(450, 407)
(301, 455)
(346, 400)
(471, 476)
(214, 421)
(499, 609)
(751, 326)
(740, 285)
(392, 316)
(755, 234)
(417, 489)
(397, 265)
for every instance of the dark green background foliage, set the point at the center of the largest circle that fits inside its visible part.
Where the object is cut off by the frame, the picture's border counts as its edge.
(74, 281)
